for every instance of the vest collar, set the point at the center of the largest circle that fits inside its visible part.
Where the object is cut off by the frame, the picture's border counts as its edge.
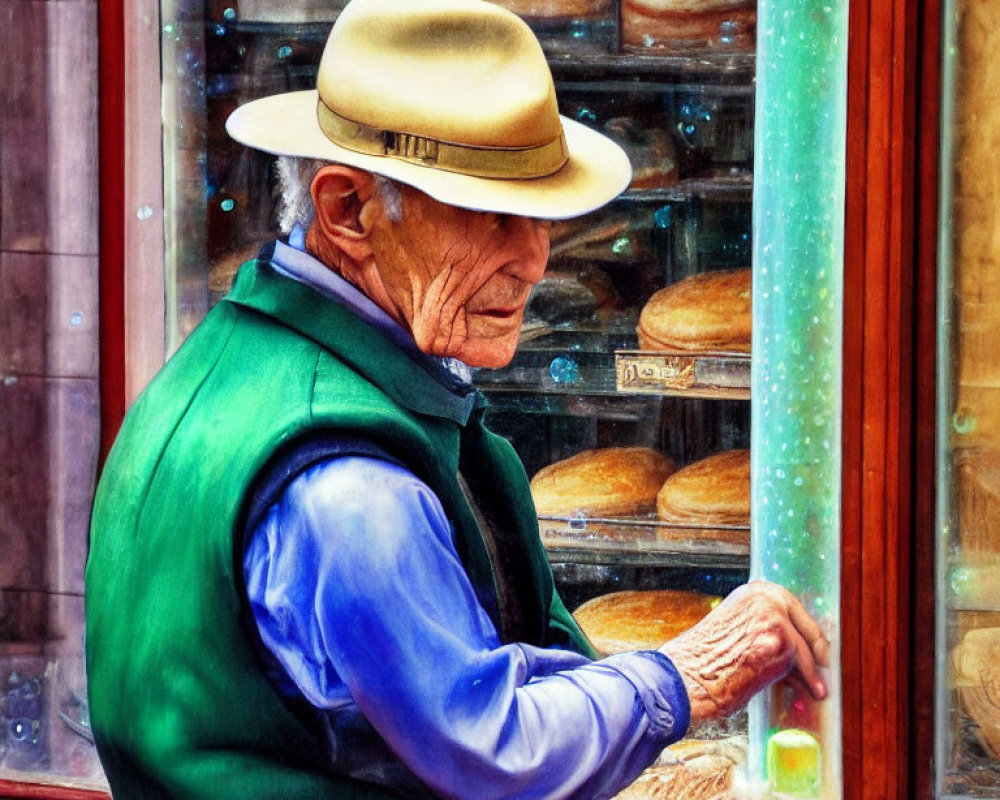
(416, 381)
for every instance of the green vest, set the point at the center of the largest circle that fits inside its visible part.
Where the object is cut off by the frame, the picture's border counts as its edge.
(179, 704)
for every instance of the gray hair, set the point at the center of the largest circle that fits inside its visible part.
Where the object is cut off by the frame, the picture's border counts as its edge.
(295, 205)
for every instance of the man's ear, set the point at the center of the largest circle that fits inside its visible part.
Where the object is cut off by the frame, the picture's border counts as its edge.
(339, 193)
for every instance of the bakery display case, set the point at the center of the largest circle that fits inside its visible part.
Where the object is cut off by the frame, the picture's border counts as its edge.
(629, 398)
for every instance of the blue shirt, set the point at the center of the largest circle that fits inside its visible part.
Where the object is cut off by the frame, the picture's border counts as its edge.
(361, 598)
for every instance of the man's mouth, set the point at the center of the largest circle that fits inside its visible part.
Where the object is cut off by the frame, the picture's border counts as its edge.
(500, 313)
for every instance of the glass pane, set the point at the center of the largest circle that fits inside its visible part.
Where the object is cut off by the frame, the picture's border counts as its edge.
(968, 633)
(798, 320)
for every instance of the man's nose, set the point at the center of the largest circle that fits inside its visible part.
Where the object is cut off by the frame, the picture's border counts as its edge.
(529, 241)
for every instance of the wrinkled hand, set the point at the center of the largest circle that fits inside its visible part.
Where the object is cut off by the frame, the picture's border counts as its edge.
(758, 634)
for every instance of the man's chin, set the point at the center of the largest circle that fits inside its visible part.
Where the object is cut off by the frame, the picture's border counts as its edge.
(486, 354)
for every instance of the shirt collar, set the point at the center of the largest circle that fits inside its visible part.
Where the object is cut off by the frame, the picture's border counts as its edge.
(294, 262)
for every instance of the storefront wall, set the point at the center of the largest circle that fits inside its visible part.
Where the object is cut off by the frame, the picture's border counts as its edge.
(48, 380)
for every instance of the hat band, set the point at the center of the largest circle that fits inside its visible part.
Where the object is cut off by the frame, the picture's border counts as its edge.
(481, 162)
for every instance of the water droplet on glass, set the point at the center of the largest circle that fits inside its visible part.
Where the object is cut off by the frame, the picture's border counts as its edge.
(229, 14)
(622, 246)
(564, 370)
(962, 580)
(227, 204)
(963, 423)
(284, 51)
(144, 212)
(76, 320)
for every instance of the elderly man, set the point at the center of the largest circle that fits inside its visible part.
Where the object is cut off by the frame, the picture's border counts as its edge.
(314, 573)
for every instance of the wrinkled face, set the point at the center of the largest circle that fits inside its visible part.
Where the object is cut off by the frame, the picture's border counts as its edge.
(460, 279)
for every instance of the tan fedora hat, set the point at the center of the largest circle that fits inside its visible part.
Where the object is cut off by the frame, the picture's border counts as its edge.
(453, 97)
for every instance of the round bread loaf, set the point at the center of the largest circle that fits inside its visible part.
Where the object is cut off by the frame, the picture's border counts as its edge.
(641, 620)
(691, 769)
(713, 491)
(556, 9)
(650, 150)
(688, 23)
(613, 481)
(976, 674)
(709, 311)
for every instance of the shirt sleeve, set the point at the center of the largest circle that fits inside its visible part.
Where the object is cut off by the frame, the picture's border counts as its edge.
(358, 591)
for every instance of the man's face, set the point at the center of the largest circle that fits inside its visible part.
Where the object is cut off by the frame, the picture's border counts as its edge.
(460, 279)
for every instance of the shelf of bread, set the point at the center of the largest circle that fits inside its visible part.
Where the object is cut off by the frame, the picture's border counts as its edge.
(694, 339)
(733, 184)
(644, 541)
(569, 58)
(633, 505)
(574, 44)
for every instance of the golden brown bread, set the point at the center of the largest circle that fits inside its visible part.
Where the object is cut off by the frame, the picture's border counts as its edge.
(641, 620)
(692, 769)
(556, 9)
(613, 481)
(976, 673)
(650, 150)
(686, 23)
(713, 491)
(709, 311)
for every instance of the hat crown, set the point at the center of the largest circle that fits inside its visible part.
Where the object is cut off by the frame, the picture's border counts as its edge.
(461, 71)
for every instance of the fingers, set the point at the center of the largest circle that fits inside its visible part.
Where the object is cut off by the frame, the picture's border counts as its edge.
(812, 648)
(807, 667)
(809, 629)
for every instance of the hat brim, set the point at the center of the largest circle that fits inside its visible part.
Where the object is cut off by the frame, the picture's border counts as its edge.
(598, 169)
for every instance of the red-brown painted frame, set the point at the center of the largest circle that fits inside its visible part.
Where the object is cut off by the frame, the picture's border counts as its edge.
(922, 610)
(111, 155)
(888, 399)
